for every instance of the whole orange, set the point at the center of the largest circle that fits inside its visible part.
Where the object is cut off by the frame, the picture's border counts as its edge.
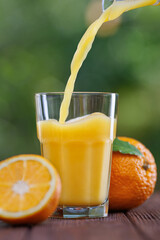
(133, 177)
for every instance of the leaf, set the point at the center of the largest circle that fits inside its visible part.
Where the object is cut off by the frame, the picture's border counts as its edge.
(125, 148)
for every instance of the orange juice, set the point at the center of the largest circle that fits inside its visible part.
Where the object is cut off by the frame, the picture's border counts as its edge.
(81, 152)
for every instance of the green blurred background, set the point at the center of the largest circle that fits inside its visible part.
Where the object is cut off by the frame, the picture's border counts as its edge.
(37, 41)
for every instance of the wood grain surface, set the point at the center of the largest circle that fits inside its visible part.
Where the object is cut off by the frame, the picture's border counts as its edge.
(139, 223)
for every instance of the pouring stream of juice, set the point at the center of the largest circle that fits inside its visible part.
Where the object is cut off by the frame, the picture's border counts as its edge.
(115, 10)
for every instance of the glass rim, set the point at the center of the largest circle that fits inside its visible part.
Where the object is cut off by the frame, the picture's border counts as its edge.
(75, 93)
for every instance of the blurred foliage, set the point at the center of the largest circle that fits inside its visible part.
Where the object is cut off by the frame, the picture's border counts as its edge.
(38, 40)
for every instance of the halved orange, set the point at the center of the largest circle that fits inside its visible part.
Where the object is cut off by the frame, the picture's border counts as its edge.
(29, 189)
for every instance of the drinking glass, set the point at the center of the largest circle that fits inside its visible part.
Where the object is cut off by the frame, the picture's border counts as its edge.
(80, 149)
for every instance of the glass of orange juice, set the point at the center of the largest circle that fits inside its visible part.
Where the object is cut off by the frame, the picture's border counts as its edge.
(80, 149)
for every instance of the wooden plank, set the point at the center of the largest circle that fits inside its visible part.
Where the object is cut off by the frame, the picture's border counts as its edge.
(8, 232)
(146, 218)
(116, 226)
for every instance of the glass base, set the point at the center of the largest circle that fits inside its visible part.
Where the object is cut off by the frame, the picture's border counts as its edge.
(82, 212)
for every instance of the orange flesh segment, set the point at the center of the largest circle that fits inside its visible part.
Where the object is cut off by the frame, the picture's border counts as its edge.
(35, 175)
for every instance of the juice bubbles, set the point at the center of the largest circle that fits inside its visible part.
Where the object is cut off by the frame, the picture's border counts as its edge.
(81, 152)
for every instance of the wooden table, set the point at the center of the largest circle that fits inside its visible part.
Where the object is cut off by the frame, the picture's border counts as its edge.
(140, 223)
